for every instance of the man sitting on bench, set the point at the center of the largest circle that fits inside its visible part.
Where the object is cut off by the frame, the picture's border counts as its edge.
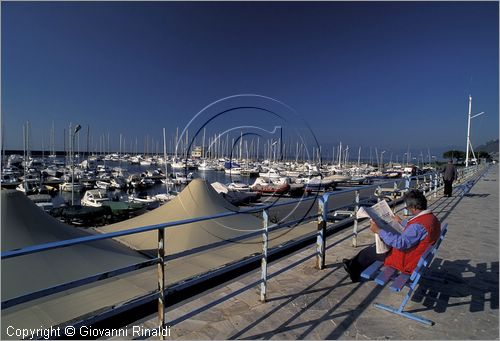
(420, 231)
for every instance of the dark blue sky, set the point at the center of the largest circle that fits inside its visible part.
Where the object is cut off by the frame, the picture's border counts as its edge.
(383, 74)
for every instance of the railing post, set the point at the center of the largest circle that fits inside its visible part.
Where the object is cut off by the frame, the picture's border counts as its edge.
(355, 228)
(321, 241)
(263, 263)
(161, 281)
(435, 184)
(407, 188)
(394, 196)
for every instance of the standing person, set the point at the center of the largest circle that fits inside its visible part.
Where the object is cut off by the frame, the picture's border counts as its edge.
(419, 233)
(449, 175)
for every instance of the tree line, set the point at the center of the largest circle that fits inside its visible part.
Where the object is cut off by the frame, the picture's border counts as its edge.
(459, 155)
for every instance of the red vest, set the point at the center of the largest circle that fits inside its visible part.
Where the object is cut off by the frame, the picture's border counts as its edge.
(406, 261)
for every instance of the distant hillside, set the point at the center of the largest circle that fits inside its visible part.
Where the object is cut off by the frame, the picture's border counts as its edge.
(489, 147)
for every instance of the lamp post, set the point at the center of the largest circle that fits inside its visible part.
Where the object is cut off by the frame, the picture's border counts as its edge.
(77, 129)
(468, 132)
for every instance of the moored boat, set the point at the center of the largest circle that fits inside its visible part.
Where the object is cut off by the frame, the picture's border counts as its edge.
(102, 184)
(265, 186)
(95, 197)
(150, 202)
(67, 186)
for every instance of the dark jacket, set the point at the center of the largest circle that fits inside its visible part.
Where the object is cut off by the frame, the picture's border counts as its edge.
(449, 172)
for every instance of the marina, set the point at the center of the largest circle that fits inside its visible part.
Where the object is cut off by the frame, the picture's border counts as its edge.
(127, 188)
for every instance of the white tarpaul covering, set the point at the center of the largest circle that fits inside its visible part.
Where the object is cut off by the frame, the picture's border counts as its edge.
(24, 224)
(196, 200)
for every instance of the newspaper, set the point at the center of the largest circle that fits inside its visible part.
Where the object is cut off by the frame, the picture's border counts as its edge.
(382, 215)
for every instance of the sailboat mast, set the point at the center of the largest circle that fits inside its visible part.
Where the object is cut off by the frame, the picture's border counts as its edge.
(340, 153)
(24, 148)
(186, 145)
(176, 141)
(258, 144)
(203, 144)
(52, 140)
(165, 155)
(241, 142)
(359, 155)
(227, 145)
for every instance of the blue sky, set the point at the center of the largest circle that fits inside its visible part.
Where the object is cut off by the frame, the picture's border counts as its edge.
(389, 75)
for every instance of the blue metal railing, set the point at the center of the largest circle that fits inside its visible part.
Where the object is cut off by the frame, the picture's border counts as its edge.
(430, 183)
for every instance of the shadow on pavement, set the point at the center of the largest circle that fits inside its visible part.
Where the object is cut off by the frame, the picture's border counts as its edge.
(480, 283)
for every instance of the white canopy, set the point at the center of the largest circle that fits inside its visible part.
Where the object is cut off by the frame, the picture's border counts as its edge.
(196, 200)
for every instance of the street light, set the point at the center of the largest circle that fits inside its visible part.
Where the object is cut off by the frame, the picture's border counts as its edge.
(77, 129)
(468, 132)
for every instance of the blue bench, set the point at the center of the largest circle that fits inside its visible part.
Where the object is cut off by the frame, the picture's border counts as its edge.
(383, 274)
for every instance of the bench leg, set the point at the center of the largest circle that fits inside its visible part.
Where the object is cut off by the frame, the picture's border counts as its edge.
(405, 314)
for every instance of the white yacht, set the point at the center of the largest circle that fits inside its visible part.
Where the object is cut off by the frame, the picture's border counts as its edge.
(151, 202)
(233, 171)
(181, 179)
(95, 197)
(204, 166)
(67, 186)
(270, 173)
(9, 179)
(103, 185)
(164, 197)
(239, 187)
(118, 183)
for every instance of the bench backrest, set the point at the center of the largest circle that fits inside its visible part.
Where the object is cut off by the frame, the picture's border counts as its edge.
(428, 255)
(441, 237)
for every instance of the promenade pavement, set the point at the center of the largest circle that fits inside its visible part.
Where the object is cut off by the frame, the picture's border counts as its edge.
(306, 303)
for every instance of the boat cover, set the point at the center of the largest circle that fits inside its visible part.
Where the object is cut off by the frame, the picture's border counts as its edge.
(196, 200)
(24, 224)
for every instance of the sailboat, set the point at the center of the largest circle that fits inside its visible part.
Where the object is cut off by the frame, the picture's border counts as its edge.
(204, 166)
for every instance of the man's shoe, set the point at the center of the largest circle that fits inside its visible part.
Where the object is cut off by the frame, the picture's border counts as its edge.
(346, 263)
